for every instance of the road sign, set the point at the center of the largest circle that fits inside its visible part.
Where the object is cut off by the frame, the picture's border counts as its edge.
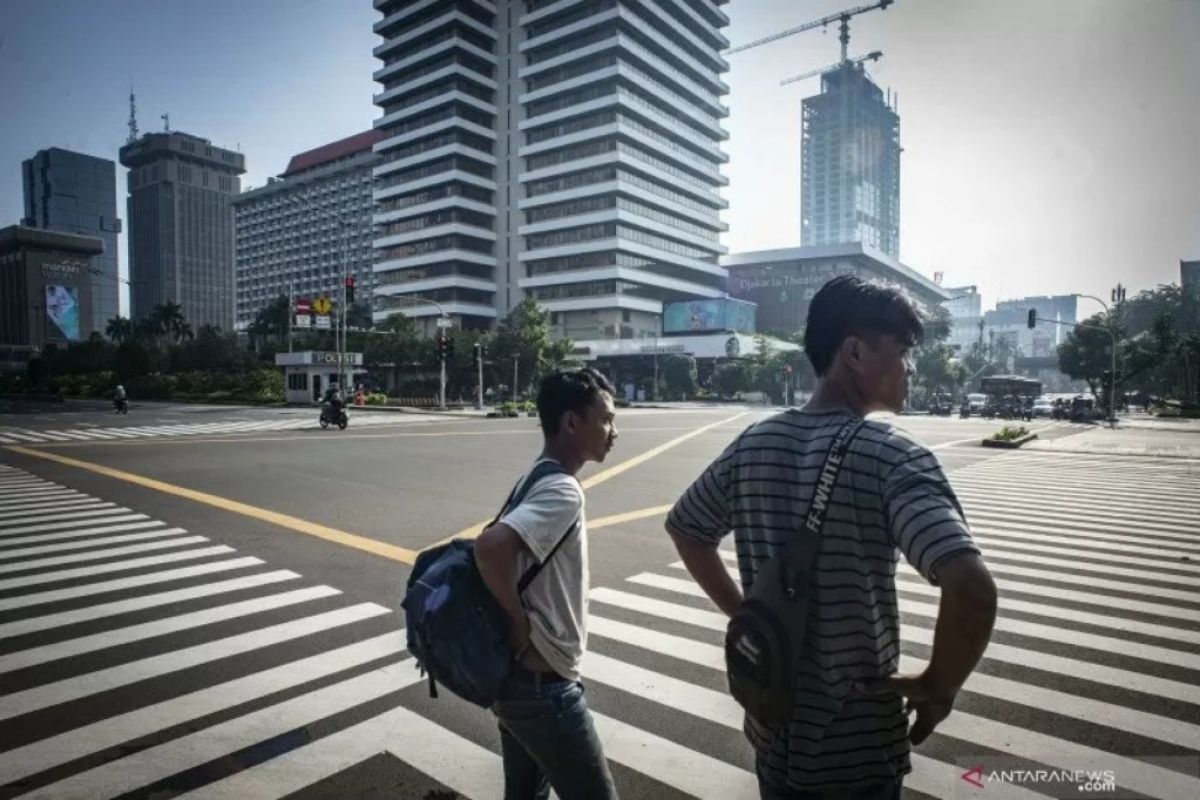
(304, 320)
(303, 306)
(443, 322)
(324, 322)
(322, 305)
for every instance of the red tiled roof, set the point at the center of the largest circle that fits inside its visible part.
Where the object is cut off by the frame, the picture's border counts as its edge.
(357, 143)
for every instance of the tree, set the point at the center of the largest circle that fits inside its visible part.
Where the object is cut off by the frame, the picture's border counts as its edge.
(167, 319)
(679, 375)
(119, 329)
(1086, 354)
(271, 322)
(732, 377)
(525, 334)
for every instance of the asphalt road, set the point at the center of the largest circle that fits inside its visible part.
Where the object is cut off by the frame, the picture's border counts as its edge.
(1098, 662)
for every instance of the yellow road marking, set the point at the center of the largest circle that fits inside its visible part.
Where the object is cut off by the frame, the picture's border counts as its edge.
(628, 516)
(473, 531)
(353, 540)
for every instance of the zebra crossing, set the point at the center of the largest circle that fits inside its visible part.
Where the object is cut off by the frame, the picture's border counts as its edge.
(15, 435)
(140, 659)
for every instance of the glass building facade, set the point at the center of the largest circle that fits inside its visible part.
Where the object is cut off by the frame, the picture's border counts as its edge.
(77, 193)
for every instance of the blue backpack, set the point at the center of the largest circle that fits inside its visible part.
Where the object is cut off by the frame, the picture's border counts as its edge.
(456, 630)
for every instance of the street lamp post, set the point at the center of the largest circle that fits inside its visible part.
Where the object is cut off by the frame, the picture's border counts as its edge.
(516, 366)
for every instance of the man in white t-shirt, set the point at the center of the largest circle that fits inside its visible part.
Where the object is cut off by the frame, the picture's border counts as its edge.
(546, 732)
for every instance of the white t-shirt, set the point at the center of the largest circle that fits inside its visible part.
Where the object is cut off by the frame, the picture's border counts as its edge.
(556, 600)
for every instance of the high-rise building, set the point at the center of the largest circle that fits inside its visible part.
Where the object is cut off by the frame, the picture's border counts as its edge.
(1189, 274)
(850, 163)
(1010, 320)
(562, 150)
(965, 308)
(304, 230)
(77, 193)
(180, 216)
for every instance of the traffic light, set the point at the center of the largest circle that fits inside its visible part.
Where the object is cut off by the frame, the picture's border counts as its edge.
(1032, 318)
(445, 346)
(349, 290)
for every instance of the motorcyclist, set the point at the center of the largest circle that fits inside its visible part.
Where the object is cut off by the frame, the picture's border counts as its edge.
(333, 402)
(119, 396)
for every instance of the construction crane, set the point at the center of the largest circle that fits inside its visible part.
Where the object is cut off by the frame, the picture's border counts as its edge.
(842, 17)
(874, 55)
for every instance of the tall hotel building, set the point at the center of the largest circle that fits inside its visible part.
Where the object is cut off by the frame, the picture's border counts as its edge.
(566, 150)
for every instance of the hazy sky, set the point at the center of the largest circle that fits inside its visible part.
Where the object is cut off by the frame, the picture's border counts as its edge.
(1050, 146)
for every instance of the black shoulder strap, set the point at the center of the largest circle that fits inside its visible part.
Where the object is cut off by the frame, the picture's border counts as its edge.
(542, 469)
(800, 555)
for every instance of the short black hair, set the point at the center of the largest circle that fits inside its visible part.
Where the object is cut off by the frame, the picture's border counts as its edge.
(849, 306)
(571, 390)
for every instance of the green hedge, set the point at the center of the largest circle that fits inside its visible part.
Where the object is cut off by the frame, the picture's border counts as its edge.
(260, 386)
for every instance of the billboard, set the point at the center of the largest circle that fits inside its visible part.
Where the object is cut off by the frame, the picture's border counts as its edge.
(62, 309)
(699, 316)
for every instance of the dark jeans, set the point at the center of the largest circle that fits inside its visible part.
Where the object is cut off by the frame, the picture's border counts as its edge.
(547, 739)
(865, 791)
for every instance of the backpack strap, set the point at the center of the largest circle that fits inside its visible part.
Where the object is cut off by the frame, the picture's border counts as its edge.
(799, 557)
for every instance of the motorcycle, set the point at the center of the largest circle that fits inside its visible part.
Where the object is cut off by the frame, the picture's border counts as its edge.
(330, 417)
(120, 406)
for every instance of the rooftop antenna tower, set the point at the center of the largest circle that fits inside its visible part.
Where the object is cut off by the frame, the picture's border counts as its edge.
(133, 128)
(166, 118)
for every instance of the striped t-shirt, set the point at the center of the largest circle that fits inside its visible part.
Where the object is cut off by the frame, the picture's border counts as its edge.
(891, 494)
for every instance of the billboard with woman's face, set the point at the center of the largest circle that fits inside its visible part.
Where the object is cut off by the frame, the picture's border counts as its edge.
(62, 309)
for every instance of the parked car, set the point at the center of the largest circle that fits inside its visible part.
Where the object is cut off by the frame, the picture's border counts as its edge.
(1043, 407)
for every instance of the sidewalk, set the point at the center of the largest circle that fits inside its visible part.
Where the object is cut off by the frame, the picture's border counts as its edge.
(1133, 438)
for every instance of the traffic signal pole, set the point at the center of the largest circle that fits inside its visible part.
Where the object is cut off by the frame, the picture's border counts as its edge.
(442, 396)
(479, 365)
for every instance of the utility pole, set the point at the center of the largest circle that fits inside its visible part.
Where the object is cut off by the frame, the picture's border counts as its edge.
(479, 364)
(442, 391)
(516, 367)
(291, 309)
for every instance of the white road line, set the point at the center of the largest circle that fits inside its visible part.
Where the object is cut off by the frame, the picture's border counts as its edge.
(693, 773)
(35, 489)
(1071, 667)
(62, 547)
(1026, 503)
(1040, 532)
(78, 533)
(1051, 488)
(64, 691)
(95, 555)
(1117, 717)
(120, 584)
(68, 648)
(119, 607)
(55, 576)
(47, 495)
(92, 511)
(457, 763)
(33, 509)
(664, 643)
(997, 544)
(72, 524)
(148, 766)
(1041, 521)
(1093, 596)
(1180, 634)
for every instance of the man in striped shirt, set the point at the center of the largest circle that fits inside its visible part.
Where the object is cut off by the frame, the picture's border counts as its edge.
(849, 733)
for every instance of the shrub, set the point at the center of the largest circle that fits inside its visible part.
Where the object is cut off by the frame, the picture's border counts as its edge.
(377, 399)
(1010, 433)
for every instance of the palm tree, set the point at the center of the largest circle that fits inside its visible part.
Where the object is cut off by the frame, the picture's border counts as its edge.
(168, 319)
(119, 329)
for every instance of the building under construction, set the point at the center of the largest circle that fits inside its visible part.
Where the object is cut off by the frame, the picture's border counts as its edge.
(850, 163)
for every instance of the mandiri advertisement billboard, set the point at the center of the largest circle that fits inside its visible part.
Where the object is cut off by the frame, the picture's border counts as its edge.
(62, 309)
(699, 316)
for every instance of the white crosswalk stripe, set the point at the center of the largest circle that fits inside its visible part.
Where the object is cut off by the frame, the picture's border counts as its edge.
(1094, 662)
(293, 422)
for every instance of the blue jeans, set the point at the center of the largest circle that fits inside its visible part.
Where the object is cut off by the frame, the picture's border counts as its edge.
(547, 739)
(888, 790)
